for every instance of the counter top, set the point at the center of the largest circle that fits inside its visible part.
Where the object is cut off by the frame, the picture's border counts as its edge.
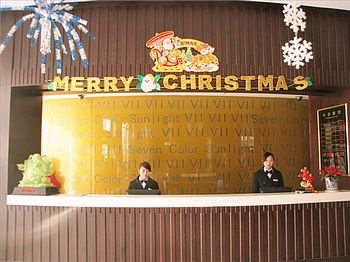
(213, 200)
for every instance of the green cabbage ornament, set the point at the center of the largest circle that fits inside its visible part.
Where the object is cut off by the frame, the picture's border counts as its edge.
(37, 171)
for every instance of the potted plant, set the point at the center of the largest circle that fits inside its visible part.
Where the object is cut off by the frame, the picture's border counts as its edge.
(331, 175)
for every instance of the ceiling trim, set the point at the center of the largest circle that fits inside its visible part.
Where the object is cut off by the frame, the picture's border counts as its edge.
(333, 4)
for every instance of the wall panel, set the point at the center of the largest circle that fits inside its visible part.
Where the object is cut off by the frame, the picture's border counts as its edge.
(317, 103)
(256, 233)
(326, 73)
(247, 37)
(195, 144)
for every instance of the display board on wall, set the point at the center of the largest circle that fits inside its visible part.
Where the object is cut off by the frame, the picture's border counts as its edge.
(333, 140)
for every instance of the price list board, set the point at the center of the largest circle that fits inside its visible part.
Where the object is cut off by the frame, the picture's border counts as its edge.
(332, 137)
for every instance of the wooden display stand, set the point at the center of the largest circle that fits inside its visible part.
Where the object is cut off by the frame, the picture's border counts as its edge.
(37, 191)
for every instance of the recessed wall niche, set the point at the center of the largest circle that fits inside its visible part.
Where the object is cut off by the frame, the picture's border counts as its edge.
(25, 129)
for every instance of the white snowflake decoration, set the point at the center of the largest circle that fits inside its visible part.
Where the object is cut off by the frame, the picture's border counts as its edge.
(46, 16)
(296, 51)
(294, 17)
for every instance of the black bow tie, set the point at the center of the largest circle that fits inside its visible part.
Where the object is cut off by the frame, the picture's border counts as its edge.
(143, 181)
(268, 172)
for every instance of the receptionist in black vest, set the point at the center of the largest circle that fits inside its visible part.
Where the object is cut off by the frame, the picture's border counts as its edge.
(267, 176)
(143, 180)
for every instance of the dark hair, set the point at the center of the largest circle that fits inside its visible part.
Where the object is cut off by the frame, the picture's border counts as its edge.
(266, 155)
(145, 165)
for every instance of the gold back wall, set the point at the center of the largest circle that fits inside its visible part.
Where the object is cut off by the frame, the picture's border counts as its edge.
(196, 144)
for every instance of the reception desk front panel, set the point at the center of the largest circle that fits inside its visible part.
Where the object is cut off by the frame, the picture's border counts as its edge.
(120, 229)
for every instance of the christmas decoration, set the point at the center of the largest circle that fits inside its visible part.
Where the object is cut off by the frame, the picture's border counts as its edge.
(148, 83)
(46, 17)
(297, 50)
(171, 53)
(294, 17)
(306, 180)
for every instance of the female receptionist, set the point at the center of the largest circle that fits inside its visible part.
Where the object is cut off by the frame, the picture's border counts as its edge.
(144, 181)
(267, 176)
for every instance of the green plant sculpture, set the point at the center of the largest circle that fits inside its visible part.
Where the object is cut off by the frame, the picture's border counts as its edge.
(37, 172)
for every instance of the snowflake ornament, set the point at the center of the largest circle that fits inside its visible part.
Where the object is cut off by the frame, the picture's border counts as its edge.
(294, 17)
(298, 51)
(46, 17)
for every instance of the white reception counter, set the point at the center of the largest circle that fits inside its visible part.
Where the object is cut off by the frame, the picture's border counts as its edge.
(214, 200)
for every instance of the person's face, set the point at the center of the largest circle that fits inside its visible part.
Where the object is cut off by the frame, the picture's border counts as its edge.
(144, 173)
(268, 163)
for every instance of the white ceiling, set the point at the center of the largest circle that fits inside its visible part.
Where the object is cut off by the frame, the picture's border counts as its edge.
(334, 4)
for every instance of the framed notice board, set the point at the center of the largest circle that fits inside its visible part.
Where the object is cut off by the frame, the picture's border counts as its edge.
(333, 141)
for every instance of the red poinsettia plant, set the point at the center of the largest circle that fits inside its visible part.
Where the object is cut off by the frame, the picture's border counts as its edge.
(306, 179)
(331, 172)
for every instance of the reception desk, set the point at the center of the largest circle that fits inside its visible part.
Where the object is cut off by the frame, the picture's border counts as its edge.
(241, 227)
